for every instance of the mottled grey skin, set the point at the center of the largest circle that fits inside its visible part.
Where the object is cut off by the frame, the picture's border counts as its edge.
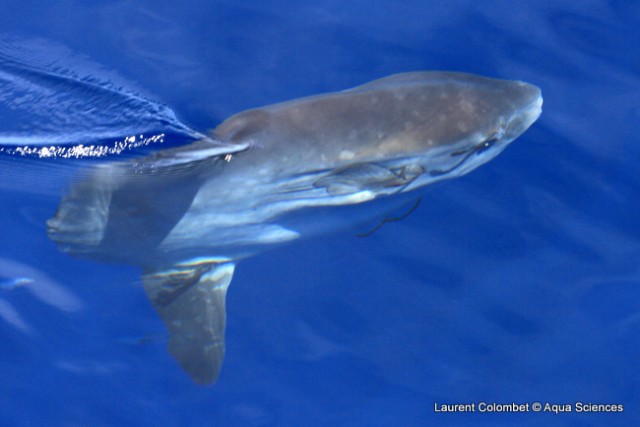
(273, 174)
(398, 116)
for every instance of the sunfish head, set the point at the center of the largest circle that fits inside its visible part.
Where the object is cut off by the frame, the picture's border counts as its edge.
(455, 123)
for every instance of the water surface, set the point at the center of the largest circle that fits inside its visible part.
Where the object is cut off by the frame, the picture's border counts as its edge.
(517, 283)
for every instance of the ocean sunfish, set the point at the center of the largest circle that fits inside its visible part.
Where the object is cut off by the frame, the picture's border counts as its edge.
(271, 175)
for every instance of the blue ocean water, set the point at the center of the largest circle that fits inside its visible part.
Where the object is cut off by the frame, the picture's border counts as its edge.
(518, 283)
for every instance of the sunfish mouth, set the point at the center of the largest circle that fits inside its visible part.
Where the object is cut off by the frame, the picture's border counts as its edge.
(528, 109)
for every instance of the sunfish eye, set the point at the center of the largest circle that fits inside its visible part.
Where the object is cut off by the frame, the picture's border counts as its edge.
(487, 143)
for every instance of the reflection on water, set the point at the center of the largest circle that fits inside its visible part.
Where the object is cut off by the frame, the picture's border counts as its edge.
(11, 316)
(40, 285)
(14, 283)
(91, 367)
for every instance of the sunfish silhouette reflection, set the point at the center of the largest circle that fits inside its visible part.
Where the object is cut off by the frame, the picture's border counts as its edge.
(270, 175)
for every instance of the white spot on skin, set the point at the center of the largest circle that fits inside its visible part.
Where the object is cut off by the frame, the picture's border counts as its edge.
(466, 106)
(346, 155)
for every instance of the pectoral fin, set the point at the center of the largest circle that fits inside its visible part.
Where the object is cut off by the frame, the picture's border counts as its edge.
(369, 177)
(190, 299)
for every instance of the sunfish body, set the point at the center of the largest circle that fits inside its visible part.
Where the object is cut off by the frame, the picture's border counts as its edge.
(187, 215)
